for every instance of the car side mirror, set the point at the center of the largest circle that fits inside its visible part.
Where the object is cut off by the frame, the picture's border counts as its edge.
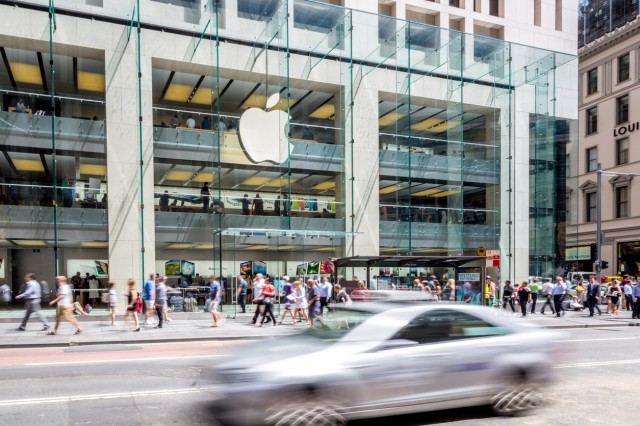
(396, 344)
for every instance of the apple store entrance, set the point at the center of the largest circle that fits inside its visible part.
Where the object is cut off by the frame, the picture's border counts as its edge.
(274, 253)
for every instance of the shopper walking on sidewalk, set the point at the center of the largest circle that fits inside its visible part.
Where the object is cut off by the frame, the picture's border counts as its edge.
(134, 304)
(593, 296)
(215, 297)
(636, 302)
(535, 289)
(65, 306)
(524, 297)
(242, 293)
(547, 288)
(32, 295)
(160, 301)
(627, 288)
(112, 299)
(268, 294)
(149, 296)
(558, 293)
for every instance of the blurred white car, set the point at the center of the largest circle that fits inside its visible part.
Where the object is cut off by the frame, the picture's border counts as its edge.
(382, 359)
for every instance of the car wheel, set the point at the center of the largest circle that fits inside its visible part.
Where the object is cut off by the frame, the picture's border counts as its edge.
(516, 399)
(316, 412)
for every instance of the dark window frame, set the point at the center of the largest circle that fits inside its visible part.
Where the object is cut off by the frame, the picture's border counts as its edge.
(622, 206)
(592, 161)
(592, 81)
(622, 153)
(622, 109)
(591, 205)
(624, 73)
(592, 120)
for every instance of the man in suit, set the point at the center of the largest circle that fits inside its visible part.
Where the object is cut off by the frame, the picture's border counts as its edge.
(593, 296)
(636, 301)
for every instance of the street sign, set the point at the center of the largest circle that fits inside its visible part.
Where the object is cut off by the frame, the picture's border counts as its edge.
(482, 251)
(493, 258)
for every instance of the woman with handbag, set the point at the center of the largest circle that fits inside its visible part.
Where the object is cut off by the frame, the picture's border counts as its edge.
(268, 292)
(134, 304)
(614, 294)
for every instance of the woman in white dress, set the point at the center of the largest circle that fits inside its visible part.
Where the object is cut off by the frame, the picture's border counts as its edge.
(94, 284)
(112, 299)
(300, 300)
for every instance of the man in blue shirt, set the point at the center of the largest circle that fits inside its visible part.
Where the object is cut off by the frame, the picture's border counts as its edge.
(215, 294)
(149, 297)
(558, 293)
(313, 296)
(635, 293)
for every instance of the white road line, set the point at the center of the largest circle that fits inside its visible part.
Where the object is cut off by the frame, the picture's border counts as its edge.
(111, 361)
(603, 340)
(66, 399)
(599, 363)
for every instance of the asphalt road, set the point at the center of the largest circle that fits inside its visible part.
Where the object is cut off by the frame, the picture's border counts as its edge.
(163, 384)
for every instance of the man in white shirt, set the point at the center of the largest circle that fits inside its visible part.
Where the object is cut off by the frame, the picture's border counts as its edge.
(191, 123)
(257, 286)
(627, 289)
(65, 306)
(547, 287)
(325, 293)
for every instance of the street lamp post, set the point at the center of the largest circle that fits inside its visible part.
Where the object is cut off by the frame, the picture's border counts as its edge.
(599, 223)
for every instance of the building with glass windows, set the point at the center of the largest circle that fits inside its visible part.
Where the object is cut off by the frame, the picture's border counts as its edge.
(609, 135)
(228, 136)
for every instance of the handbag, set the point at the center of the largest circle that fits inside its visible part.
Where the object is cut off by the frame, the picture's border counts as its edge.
(104, 297)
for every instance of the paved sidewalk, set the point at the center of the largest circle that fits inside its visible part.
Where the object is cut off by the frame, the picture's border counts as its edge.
(197, 326)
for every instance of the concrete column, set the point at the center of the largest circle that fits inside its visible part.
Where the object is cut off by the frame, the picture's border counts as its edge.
(123, 167)
(365, 159)
(520, 173)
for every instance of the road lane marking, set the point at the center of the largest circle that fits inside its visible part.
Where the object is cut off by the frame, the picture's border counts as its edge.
(69, 398)
(111, 361)
(599, 363)
(604, 339)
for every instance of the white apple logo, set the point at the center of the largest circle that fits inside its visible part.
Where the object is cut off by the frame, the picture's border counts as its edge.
(264, 134)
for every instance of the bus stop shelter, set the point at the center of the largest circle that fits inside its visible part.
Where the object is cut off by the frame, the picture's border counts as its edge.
(403, 261)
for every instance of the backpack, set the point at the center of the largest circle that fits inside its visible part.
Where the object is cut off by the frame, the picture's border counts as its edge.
(44, 289)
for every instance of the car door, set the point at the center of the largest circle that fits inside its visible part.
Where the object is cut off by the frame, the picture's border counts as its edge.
(400, 366)
(453, 358)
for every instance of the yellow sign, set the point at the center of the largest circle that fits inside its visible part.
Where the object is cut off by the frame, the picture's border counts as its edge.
(482, 251)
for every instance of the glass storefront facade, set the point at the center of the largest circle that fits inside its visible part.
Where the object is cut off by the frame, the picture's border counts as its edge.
(275, 131)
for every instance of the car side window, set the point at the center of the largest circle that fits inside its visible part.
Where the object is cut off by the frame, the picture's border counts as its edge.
(429, 327)
(465, 325)
(446, 325)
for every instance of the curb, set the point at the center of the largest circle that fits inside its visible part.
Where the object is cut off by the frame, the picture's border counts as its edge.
(238, 337)
(132, 342)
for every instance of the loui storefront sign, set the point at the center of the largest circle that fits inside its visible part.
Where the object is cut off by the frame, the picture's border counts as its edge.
(626, 129)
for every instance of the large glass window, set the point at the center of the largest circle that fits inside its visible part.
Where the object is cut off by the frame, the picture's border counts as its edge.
(622, 109)
(592, 81)
(622, 151)
(591, 206)
(622, 202)
(592, 159)
(592, 120)
(624, 63)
